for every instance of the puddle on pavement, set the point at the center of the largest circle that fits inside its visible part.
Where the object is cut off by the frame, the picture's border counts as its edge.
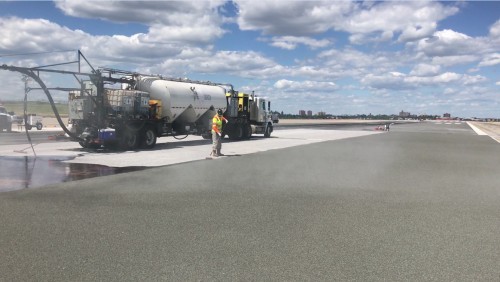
(18, 173)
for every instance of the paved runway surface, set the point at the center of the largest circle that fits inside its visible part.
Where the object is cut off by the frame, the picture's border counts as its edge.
(420, 203)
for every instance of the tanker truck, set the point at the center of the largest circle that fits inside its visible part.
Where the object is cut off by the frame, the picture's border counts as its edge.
(131, 110)
(143, 109)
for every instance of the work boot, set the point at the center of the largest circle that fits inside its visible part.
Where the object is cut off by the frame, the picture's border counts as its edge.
(219, 153)
(214, 154)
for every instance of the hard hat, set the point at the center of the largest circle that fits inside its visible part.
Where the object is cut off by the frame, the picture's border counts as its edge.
(219, 112)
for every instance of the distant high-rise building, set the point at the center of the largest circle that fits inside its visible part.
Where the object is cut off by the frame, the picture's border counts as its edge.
(404, 114)
(302, 113)
(309, 113)
(447, 115)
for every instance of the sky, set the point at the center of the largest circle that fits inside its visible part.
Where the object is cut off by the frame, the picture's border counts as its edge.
(338, 57)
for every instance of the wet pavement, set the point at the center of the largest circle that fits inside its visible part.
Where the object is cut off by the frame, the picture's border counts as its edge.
(29, 172)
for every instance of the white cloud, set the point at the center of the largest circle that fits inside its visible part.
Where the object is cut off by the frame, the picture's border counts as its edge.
(473, 80)
(235, 63)
(490, 60)
(398, 81)
(411, 19)
(425, 70)
(291, 42)
(455, 60)
(30, 35)
(295, 18)
(431, 80)
(307, 85)
(193, 22)
(366, 22)
(495, 30)
(447, 43)
(393, 81)
(195, 35)
(175, 13)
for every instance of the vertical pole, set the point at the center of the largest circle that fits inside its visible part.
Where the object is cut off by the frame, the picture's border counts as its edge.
(26, 79)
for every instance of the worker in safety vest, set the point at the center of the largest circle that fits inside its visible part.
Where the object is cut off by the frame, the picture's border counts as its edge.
(217, 133)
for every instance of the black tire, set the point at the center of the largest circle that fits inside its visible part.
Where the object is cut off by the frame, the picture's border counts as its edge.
(236, 133)
(39, 126)
(269, 129)
(149, 138)
(248, 132)
(129, 140)
(84, 144)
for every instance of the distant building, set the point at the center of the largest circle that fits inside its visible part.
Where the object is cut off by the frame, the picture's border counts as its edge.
(321, 114)
(309, 113)
(404, 114)
(302, 113)
(446, 115)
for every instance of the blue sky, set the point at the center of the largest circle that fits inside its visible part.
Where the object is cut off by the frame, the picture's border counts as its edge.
(339, 57)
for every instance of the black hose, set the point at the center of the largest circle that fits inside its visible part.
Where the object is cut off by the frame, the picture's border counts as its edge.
(181, 138)
(31, 74)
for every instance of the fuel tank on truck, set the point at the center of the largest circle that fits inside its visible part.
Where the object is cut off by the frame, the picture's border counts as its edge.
(184, 102)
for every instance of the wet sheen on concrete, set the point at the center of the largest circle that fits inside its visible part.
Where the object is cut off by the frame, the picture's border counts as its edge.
(29, 172)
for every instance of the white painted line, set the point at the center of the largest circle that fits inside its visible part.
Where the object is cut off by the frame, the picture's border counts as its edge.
(477, 130)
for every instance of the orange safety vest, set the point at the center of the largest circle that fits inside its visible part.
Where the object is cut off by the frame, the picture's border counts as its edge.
(217, 123)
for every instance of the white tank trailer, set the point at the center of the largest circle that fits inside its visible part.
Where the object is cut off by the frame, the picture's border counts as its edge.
(148, 108)
(184, 102)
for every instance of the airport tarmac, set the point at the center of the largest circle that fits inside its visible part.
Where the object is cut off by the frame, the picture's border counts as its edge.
(418, 203)
(63, 161)
(59, 161)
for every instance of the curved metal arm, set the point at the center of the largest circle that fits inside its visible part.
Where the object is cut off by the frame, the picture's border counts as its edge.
(29, 72)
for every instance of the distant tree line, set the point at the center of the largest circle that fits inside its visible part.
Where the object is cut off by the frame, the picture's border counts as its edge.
(356, 116)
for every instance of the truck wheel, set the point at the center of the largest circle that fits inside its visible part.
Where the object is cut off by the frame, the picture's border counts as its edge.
(248, 132)
(39, 126)
(236, 133)
(269, 129)
(129, 140)
(84, 144)
(149, 138)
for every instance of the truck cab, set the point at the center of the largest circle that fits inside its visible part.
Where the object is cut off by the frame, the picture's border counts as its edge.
(247, 115)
